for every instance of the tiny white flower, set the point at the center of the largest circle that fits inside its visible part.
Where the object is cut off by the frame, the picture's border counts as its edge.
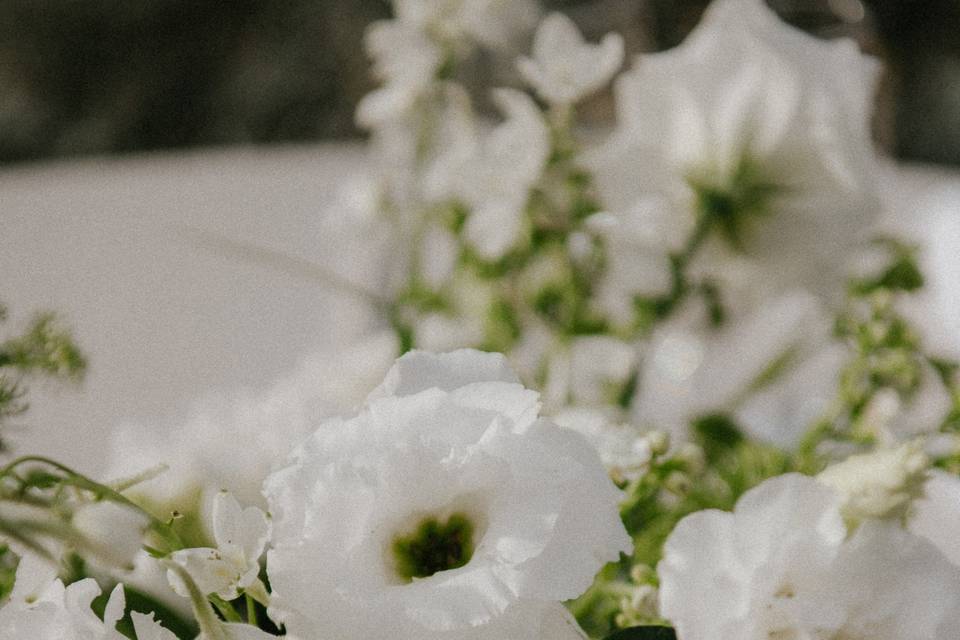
(147, 628)
(494, 23)
(444, 510)
(880, 484)
(233, 566)
(936, 514)
(564, 68)
(782, 566)
(42, 608)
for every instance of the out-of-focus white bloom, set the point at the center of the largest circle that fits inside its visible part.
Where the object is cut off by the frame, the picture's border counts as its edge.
(880, 484)
(781, 566)
(624, 451)
(41, 608)
(444, 509)
(590, 371)
(936, 514)
(763, 125)
(773, 370)
(564, 68)
(493, 174)
(234, 443)
(406, 60)
(494, 23)
(114, 531)
(638, 244)
(233, 566)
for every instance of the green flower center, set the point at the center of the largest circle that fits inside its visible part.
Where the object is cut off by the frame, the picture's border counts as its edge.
(434, 546)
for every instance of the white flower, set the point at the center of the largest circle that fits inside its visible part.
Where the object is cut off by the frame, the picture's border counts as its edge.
(493, 173)
(936, 514)
(879, 484)
(41, 608)
(445, 509)
(233, 566)
(494, 23)
(564, 68)
(781, 567)
(638, 244)
(761, 130)
(114, 531)
(234, 442)
(147, 628)
(773, 369)
(624, 451)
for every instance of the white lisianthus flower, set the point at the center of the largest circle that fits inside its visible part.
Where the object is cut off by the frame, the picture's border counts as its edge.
(781, 566)
(444, 509)
(880, 484)
(233, 566)
(564, 69)
(760, 132)
(774, 370)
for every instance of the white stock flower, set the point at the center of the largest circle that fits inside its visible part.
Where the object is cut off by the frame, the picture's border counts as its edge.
(782, 567)
(880, 484)
(564, 68)
(493, 172)
(444, 509)
(623, 449)
(765, 127)
(233, 566)
(773, 369)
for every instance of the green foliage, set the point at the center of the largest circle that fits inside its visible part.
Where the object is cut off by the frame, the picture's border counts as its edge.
(47, 349)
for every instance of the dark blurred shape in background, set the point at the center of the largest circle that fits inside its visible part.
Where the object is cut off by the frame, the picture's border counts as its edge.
(101, 76)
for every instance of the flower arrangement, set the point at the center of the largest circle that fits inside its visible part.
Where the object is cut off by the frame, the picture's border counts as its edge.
(648, 383)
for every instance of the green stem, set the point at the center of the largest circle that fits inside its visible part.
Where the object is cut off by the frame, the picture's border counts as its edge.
(251, 610)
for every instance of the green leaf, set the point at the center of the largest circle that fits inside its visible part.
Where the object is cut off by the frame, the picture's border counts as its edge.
(644, 633)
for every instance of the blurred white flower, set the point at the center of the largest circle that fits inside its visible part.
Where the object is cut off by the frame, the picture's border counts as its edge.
(41, 608)
(147, 628)
(624, 450)
(114, 531)
(638, 245)
(494, 23)
(880, 484)
(781, 566)
(233, 566)
(761, 132)
(774, 370)
(444, 509)
(936, 514)
(233, 443)
(564, 68)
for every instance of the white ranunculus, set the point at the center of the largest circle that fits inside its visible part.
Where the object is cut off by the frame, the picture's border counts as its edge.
(781, 566)
(880, 484)
(444, 509)
(564, 68)
(233, 566)
(774, 370)
(748, 105)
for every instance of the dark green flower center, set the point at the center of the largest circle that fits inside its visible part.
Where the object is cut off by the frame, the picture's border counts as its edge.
(434, 546)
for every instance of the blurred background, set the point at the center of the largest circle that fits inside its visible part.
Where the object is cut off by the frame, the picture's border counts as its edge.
(104, 76)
